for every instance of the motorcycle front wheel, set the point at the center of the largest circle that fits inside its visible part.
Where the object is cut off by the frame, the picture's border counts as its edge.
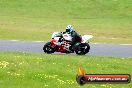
(48, 49)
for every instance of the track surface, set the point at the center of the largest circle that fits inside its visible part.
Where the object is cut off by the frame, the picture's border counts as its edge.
(113, 50)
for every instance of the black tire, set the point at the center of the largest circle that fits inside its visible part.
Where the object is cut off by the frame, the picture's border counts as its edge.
(48, 49)
(82, 48)
(81, 80)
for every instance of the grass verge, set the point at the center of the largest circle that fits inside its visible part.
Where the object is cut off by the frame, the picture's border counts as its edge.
(109, 21)
(26, 70)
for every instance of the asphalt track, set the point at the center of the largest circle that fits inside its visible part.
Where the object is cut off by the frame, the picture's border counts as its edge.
(112, 50)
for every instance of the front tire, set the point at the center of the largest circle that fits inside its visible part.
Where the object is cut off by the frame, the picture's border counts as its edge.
(82, 48)
(48, 49)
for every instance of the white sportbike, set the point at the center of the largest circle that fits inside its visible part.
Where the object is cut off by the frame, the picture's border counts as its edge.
(62, 43)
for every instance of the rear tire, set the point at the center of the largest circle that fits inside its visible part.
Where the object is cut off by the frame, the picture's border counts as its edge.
(48, 49)
(82, 48)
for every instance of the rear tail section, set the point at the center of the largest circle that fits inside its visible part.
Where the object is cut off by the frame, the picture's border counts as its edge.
(85, 38)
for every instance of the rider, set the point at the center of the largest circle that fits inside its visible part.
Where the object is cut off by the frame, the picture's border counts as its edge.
(75, 36)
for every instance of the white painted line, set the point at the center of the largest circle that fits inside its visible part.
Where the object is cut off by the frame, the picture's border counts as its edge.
(13, 40)
(23, 41)
(126, 44)
(99, 43)
(38, 41)
(111, 43)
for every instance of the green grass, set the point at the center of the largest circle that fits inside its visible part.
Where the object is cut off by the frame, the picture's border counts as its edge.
(107, 20)
(25, 70)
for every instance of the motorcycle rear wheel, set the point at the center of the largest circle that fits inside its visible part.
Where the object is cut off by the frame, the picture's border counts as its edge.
(82, 48)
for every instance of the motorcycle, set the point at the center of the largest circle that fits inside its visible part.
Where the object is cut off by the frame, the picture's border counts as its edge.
(62, 43)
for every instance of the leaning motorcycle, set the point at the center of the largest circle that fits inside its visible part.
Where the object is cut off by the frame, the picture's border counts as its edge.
(62, 44)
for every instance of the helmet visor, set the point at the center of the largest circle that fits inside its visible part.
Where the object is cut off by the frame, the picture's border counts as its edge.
(67, 30)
